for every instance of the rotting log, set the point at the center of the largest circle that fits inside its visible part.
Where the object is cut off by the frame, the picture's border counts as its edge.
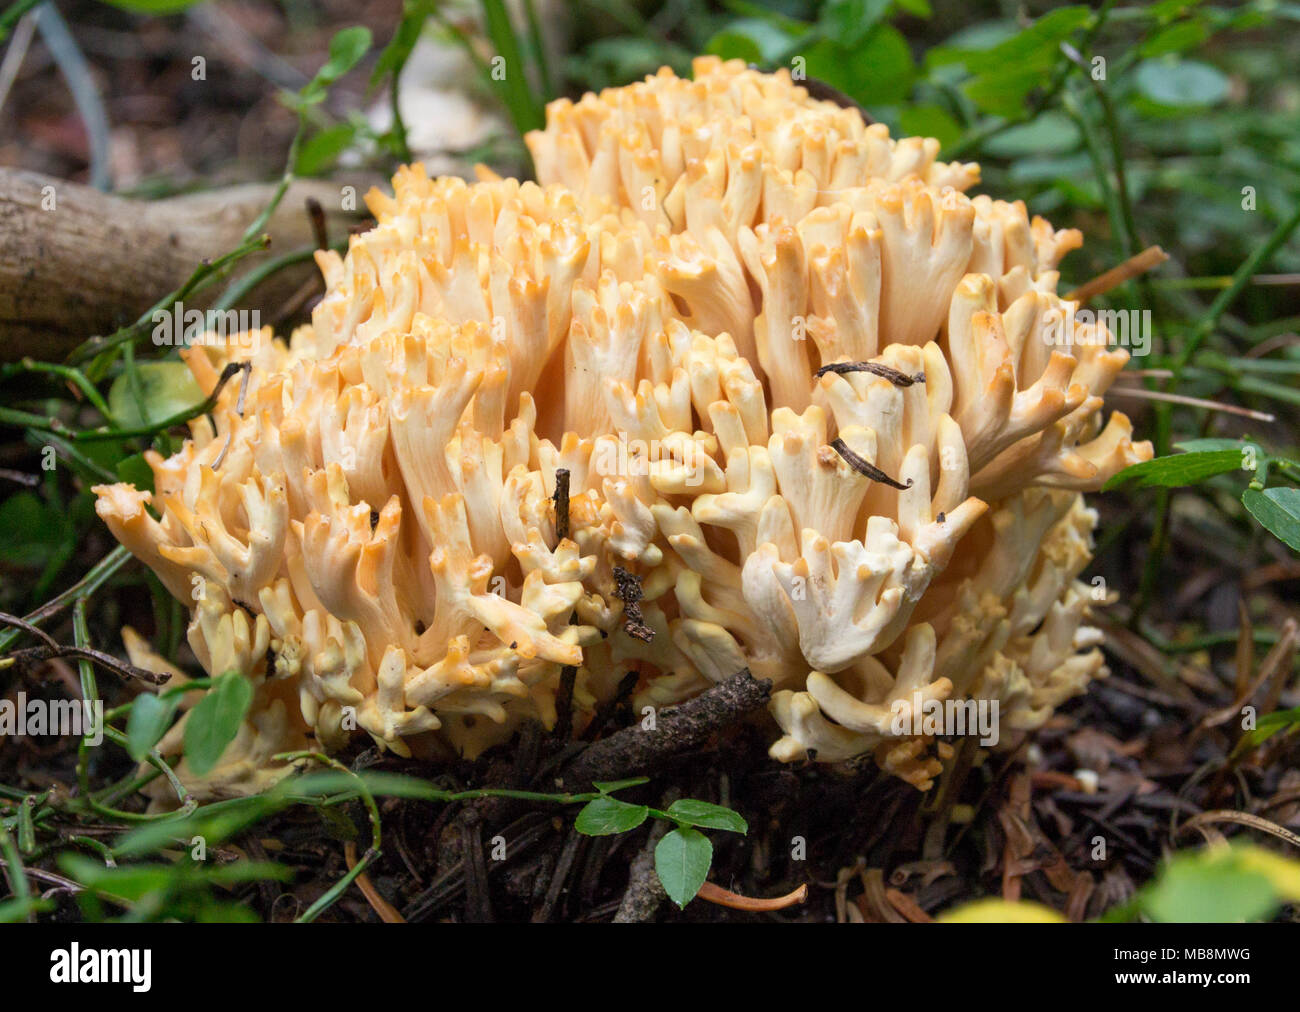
(95, 262)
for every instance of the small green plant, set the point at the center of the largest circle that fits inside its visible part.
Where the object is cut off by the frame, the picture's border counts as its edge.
(1276, 508)
(684, 855)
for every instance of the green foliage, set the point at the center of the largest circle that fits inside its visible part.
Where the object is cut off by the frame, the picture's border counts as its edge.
(682, 860)
(215, 720)
(183, 890)
(1278, 512)
(154, 7)
(704, 814)
(347, 47)
(148, 721)
(1223, 884)
(1179, 84)
(1276, 509)
(152, 391)
(30, 530)
(684, 855)
(608, 816)
(1179, 470)
(1269, 725)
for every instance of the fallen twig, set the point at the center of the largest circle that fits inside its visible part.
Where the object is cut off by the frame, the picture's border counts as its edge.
(637, 751)
(726, 898)
(1134, 266)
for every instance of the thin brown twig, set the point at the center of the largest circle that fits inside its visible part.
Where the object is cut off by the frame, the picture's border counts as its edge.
(37, 654)
(1195, 402)
(386, 911)
(895, 376)
(864, 467)
(13, 621)
(1205, 819)
(726, 898)
(561, 498)
(1135, 266)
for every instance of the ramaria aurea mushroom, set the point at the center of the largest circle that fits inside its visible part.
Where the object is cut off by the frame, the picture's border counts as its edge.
(800, 385)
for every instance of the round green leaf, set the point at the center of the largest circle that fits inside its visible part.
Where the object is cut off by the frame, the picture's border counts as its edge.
(710, 816)
(166, 388)
(682, 861)
(607, 816)
(1181, 83)
(1278, 511)
(1049, 132)
(215, 720)
(148, 721)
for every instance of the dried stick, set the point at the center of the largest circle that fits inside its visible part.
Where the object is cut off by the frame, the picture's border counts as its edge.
(1134, 266)
(634, 751)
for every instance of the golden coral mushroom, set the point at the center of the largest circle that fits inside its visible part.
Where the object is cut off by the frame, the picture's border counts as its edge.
(801, 389)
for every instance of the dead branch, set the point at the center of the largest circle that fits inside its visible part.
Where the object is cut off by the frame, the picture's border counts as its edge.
(634, 751)
(76, 262)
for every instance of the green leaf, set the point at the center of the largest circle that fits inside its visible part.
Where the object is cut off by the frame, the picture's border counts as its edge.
(682, 861)
(148, 721)
(166, 388)
(1049, 132)
(750, 39)
(610, 786)
(1181, 83)
(1176, 38)
(29, 530)
(917, 8)
(607, 816)
(710, 816)
(1003, 92)
(878, 72)
(215, 823)
(155, 7)
(974, 39)
(1210, 888)
(17, 911)
(346, 50)
(930, 121)
(135, 470)
(1037, 47)
(1278, 512)
(1268, 725)
(130, 882)
(215, 720)
(849, 21)
(1197, 445)
(1179, 469)
(322, 150)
